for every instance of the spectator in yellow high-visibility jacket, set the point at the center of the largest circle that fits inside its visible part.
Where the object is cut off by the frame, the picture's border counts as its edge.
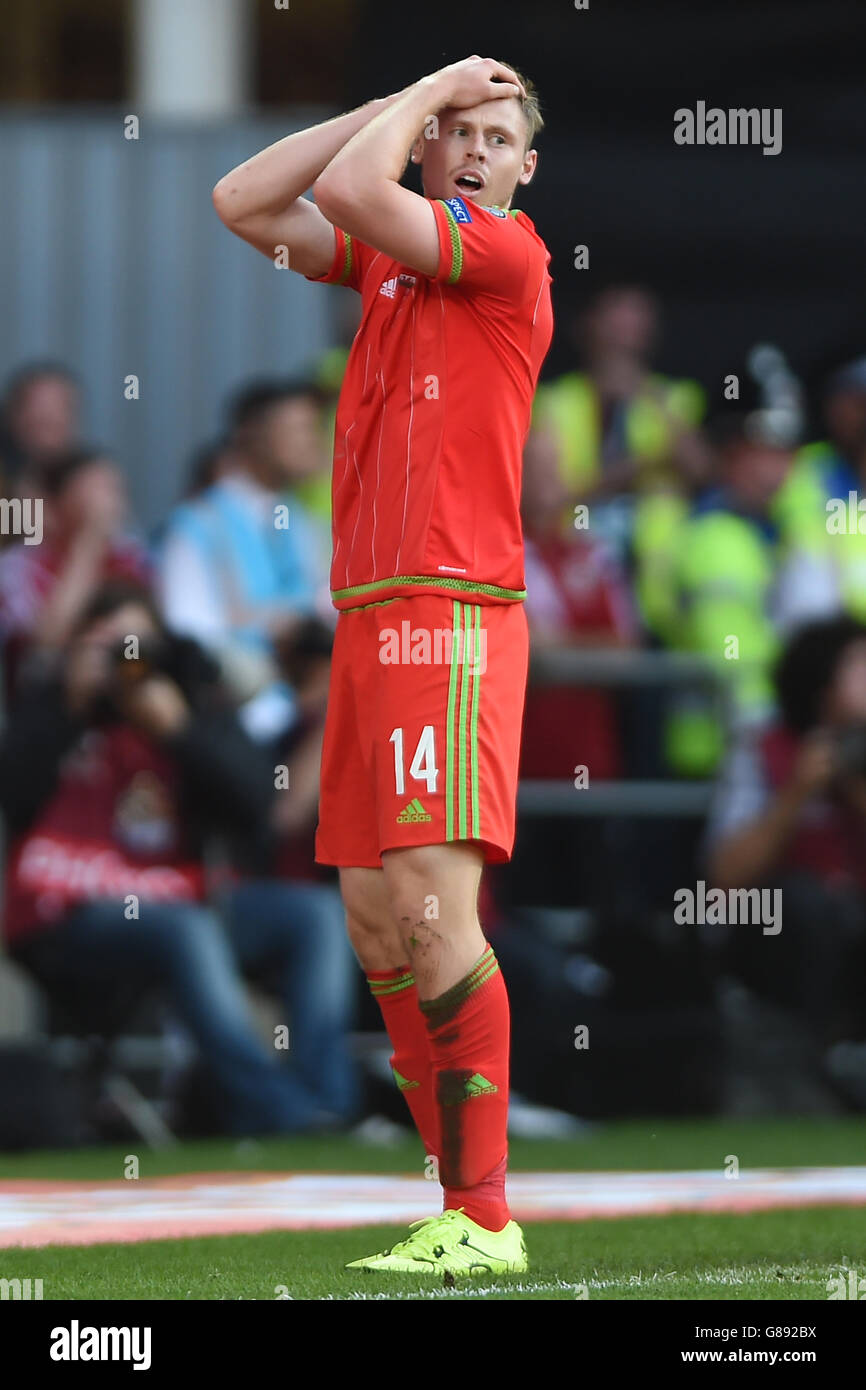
(628, 439)
(828, 486)
(747, 571)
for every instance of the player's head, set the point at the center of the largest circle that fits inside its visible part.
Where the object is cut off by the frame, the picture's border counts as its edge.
(274, 431)
(492, 142)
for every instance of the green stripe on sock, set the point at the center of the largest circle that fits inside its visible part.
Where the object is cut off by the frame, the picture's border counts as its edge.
(440, 1010)
(482, 979)
(481, 966)
(391, 986)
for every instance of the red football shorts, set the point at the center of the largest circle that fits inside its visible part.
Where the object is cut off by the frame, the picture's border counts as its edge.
(422, 734)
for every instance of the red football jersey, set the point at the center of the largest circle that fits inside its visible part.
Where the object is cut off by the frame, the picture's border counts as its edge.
(435, 408)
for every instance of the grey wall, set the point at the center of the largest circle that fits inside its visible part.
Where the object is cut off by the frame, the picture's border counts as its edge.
(113, 259)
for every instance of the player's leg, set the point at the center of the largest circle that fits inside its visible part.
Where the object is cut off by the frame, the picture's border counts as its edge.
(432, 894)
(377, 942)
(446, 748)
(348, 836)
(465, 1010)
(433, 891)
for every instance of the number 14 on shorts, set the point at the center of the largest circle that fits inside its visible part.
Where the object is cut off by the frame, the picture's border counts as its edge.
(423, 765)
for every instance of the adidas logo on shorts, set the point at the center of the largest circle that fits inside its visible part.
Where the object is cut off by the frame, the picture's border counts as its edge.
(413, 813)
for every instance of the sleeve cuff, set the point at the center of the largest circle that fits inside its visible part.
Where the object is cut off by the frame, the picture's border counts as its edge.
(340, 270)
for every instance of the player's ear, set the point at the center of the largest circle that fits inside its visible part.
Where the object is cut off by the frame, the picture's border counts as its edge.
(530, 160)
(416, 154)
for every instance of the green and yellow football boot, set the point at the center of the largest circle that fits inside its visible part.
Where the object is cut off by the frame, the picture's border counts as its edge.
(452, 1244)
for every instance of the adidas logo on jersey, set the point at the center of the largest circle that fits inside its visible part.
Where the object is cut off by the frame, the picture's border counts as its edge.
(413, 813)
(389, 287)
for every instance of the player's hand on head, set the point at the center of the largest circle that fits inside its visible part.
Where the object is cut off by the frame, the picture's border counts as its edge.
(474, 80)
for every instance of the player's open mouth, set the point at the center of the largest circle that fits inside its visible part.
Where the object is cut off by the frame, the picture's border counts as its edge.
(469, 183)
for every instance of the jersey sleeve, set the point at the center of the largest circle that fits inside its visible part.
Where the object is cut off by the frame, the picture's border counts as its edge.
(480, 248)
(349, 265)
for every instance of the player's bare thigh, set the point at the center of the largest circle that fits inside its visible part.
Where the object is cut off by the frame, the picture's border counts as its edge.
(421, 907)
(369, 921)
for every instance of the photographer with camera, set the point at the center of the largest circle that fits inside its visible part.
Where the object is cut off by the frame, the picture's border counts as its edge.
(790, 812)
(113, 773)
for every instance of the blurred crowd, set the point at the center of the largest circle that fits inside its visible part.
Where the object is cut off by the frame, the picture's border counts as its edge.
(165, 692)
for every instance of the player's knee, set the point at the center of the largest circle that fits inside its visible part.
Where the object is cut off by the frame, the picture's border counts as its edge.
(375, 943)
(432, 882)
(368, 922)
(360, 931)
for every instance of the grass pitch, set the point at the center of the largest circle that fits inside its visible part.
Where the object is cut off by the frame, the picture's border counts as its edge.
(784, 1255)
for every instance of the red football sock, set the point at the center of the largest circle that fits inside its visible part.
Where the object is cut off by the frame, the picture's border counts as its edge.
(396, 993)
(469, 1028)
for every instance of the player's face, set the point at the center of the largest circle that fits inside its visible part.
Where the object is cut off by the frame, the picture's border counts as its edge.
(478, 154)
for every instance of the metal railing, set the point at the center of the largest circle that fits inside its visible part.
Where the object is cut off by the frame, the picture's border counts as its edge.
(622, 669)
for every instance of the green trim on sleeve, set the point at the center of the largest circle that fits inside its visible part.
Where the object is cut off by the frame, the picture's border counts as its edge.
(456, 244)
(347, 260)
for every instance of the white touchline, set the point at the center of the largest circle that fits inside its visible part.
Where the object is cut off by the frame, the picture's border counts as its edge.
(459, 1291)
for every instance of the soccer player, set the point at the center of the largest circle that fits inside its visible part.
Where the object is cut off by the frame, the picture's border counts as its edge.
(419, 767)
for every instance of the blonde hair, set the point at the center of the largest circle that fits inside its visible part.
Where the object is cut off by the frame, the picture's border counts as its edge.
(529, 105)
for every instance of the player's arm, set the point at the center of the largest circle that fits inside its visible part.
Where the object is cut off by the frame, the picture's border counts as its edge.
(262, 200)
(360, 189)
